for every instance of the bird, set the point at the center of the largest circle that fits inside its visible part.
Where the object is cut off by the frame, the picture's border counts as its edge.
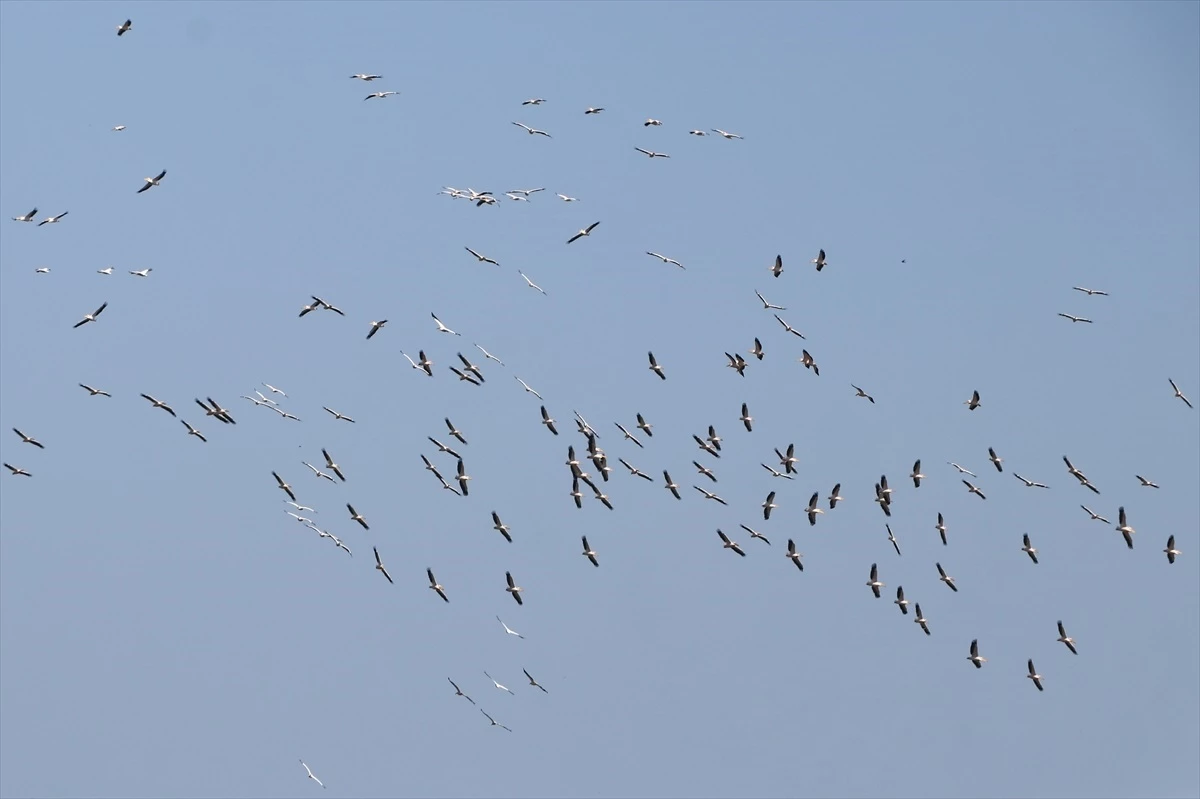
(634, 471)
(1124, 528)
(916, 474)
(809, 363)
(27, 217)
(820, 260)
(355, 516)
(961, 470)
(591, 110)
(216, 410)
(589, 553)
(726, 134)
(454, 431)
(697, 133)
(152, 182)
(50, 220)
(788, 328)
(533, 682)
(644, 426)
(94, 392)
(108, 270)
(434, 585)
(15, 470)
(941, 528)
(366, 77)
(483, 259)
(375, 327)
(1075, 318)
(527, 388)
(1065, 639)
(630, 436)
(318, 472)
(92, 316)
(793, 555)
(493, 721)
(651, 122)
(874, 583)
(860, 393)
(1033, 675)
(1146, 483)
(920, 619)
(379, 94)
(746, 419)
(757, 352)
(654, 367)
(458, 692)
(835, 496)
(443, 448)
(28, 439)
(710, 495)
(284, 487)
(1078, 475)
(1029, 483)
(587, 231)
(900, 601)
(193, 431)
(651, 153)
(995, 459)
(380, 567)
(42, 270)
(441, 327)
(462, 477)
(530, 283)
(1178, 393)
(299, 507)
(1090, 292)
(118, 128)
(534, 101)
(737, 363)
(665, 259)
(945, 578)
(1170, 550)
(567, 199)
(768, 306)
(788, 461)
(470, 367)
(892, 538)
(509, 630)
(1028, 548)
(730, 544)
(142, 272)
(513, 588)
(155, 403)
(311, 776)
(122, 29)
(547, 421)
(975, 657)
(333, 467)
(1095, 516)
(769, 505)
(973, 402)
(532, 131)
(501, 527)
(972, 488)
(812, 510)
(755, 534)
(670, 484)
(338, 416)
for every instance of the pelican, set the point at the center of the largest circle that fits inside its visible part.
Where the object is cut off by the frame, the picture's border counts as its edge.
(576, 494)
(528, 389)
(793, 555)
(858, 392)
(366, 77)
(874, 583)
(530, 283)
(921, 620)
(375, 327)
(1030, 483)
(92, 316)
(458, 692)
(633, 470)
(533, 682)
(1171, 550)
(900, 601)
(513, 588)
(50, 220)
(996, 461)
(462, 477)
(746, 418)
(338, 416)
(509, 630)
(665, 259)
(501, 527)
(945, 578)
(975, 657)
(587, 231)
(566, 198)
(301, 508)
(768, 505)
(768, 306)
(697, 133)
(644, 426)
(710, 495)
(333, 467)
(961, 470)
(1075, 318)
(304, 520)
(28, 439)
(651, 153)
(434, 585)
(549, 422)
(94, 391)
(152, 182)
(1124, 528)
(493, 721)
(892, 538)
(1095, 516)
(972, 488)
(835, 496)
(591, 110)
(328, 307)
(730, 544)
(216, 410)
(884, 501)
(17, 470)
(1033, 675)
(726, 134)
(973, 402)
(44, 270)
(283, 486)
(317, 471)
(650, 122)
(916, 474)
(819, 260)
(670, 484)
(1090, 292)
(470, 367)
(628, 436)
(531, 131)
(1028, 548)
(654, 367)
(122, 29)
(589, 553)
(355, 516)
(1146, 483)
(788, 327)
(311, 776)
(737, 363)
(534, 101)
(941, 528)
(380, 567)
(1063, 638)
(483, 259)
(159, 404)
(1178, 393)
(812, 510)
(379, 94)
(192, 431)
(788, 461)
(809, 363)
(1078, 475)
(27, 217)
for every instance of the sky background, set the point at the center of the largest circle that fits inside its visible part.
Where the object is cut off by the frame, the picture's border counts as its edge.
(167, 631)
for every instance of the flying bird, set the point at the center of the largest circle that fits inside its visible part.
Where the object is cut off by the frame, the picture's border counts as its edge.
(530, 283)
(945, 578)
(95, 391)
(534, 101)
(193, 431)
(769, 505)
(1075, 318)
(366, 77)
(91, 317)
(338, 416)
(1124, 528)
(973, 402)
(159, 404)
(311, 776)
(379, 94)
(975, 657)
(283, 486)
(820, 260)
(333, 467)
(768, 306)
(531, 131)
(1028, 548)
(788, 328)
(809, 363)
(380, 567)
(152, 182)
(996, 460)
(1033, 675)
(1146, 483)
(513, 588)
(746, 418)
(1095, 516)
(458, 692)
(122, 29)
(1170, 550)
(591, 110)
(1029, 483)
(921, 620)
(710, 495)
(434, 585)
(355, 516)
(509, 630)
(51, 220)
(493, 721)
(587, 231)
(812, 510)
(1065, 639)
(375, 327)
(858, 392)
(665, 259)
(972, 488)
(1090, 292)
(15, 470)
(650, 122)
(900, 601)
(725, 134)
(28, 439)
(892, 538)
(1178, 393)
(730, 544)
(961, 470)
(874, 583)
(533, 682)
(27, 217)
(483, 259)
(916, 474)
(651, 153)
(589, 553)
(793, 555)
(835, 496)
(654, 367)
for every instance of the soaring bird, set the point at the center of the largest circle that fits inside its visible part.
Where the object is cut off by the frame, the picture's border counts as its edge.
(93, 392)
(589, 553)
(995, 459)
(1028, 548)
(92, 316)
(28, 439)
(858, 392)
(532, 682)
(1033, 675)
(874, 584)
(916, 474)
(1171, 550)
(726, 134)
(730, 544)
(513, 588)
(793, 555)
(434, 585)
(1091, 292)
(587, 231)
(654, 367)
(16, 471)
(283, 486)
(1075, 318)
(820, 260)
(50, 220)
(379, 94)
(152, 182)
(945, 578)
(1063, 638)
(1124, 528)
(973, 402)
(458, 691)
(311, 776)
(122, 29)
(375, 326)
(900, 601)
(651, 153)
(366, 77)
(380, 567)
(975, 657)
(921, 620)
(1178, 393)
(27, 217)
(665, 259)
(532, 131)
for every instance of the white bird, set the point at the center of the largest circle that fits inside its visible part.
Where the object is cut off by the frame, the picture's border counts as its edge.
(159, 404)
(306, 521)
(916, 475)
(566, 198)
(434, 585)
(483, 259)
(442, 328)
(124, 27)
(337, 415)
(1124, 528)
(142, 272)
(858, 392)
(380, 567)
(768, 306)
(665, 259)
(27, 217)
(628, 436)
(900, 601)
(819, 260)
(589, 553)
(1146, 483)
(961, 470)
(379, 94)
(591, 110)
(92, 316)
(1063, 638)
(532, 131)
(311, 776)
(152, 182)
(283, 485)
(1171, 550)
(42, 270)
(317, 471)
(534, 101)
(108, 270)
(509, 630)
(366, 77)
(1075, 318)
(1028, 548)
(793, 555)
(1029, 483)
(697, 133)
(727, 544)
(1178, 393)
(527, 388)
(725, 134)
(651, 153)
(512, 588)
(118, 127)
(921, 620)
(193, 431)
(274, 390)
(530, 283)
(651, 122)
(1033, 675)
(587, 231)
(892, 538)
(458, 691)
(788, 328)
(746, 419)
(995, 459)
(768, 506)
(375, 327)
(50, 220)
(945, 578)
(94, 391)
(812, 510)
(17, 471)
(301, 508)
(654, 367)
(874, 584)
(1090, 292)
(710, 495)
(975, 657)
(973, 402)
(835, 496)
(972, 488)
(488, 355)
(493, 721)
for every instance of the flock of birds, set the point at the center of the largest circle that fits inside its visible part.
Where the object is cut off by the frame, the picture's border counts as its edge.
(592, 469)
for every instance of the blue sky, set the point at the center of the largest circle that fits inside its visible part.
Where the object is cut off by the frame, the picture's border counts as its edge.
(165, 628)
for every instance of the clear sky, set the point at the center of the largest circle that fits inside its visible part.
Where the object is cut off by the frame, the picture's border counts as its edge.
(167, 630)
